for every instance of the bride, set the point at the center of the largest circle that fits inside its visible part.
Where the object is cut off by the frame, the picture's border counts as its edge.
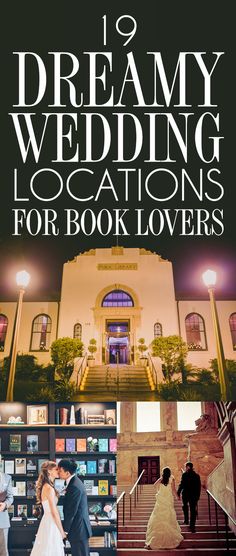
(163, 530)
(49, 539)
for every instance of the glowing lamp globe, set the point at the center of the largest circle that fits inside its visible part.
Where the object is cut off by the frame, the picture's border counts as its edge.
(209, 278)
(22, 279)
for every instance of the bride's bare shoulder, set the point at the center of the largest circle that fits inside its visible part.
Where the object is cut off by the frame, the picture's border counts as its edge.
(47, 491)
(158, 481)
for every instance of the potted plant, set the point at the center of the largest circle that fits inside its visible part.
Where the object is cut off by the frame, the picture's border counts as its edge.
(142, 348)
(92, 348)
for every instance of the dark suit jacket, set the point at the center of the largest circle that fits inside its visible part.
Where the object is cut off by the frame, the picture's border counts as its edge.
(190, 486)
(75, 507)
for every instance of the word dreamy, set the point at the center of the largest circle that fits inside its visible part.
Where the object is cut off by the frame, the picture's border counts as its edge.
(97, 75)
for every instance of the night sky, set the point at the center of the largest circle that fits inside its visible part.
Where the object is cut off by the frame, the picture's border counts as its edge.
(77, 27)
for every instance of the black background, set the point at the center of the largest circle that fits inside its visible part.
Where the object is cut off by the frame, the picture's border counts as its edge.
(169, 27)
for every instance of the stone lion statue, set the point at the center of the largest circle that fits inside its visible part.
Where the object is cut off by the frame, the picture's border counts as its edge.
(204, 423)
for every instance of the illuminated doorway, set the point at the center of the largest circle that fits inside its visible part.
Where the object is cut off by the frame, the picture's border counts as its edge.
(118, 343)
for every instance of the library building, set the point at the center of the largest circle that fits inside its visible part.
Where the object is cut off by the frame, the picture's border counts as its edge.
(117, 296)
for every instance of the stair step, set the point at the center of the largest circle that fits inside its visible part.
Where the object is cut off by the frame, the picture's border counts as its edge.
(137, 535)
(177, 551)
(184, 528)
(192, 543)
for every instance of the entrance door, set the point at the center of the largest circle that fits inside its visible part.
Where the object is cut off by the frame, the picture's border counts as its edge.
(151, 467)
(118, 342)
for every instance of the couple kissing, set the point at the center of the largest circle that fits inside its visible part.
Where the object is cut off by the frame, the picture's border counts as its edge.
(51, 536)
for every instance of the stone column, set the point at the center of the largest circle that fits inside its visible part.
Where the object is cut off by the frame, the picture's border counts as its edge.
(168, 411)
(128, 417)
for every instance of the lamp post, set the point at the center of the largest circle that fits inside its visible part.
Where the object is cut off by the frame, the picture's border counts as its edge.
(209, 279)
(22, 281)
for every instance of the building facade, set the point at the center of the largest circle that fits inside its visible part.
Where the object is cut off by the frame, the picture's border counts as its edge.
(117, 296)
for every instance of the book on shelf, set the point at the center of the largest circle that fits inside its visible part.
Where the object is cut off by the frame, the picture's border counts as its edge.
(103, 488)
(30, 488)
(103, 444)
(70, 445)
(31, 465)
(113, 445)
(82, 416)
(95, 491)
(95, 419)
(20, 466)
(89, 484)
(112, 466)
(32, 443)
(81, 467)
(103, 466)
(64, 415)
(113, 490)
(11, 511)
(40, 463)
(22, 511)
(19, 488)
(110, 416)
(15, 442)
(95, 508)
(107, 539)
(97, 542)
(60, 445)
(34, 511)
(91, 467)
(81, 445)
(9, 466)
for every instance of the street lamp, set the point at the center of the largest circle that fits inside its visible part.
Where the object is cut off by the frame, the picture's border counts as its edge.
(22, 281)
(209, 278)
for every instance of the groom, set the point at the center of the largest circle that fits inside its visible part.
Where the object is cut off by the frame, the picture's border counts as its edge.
(75, 508)
(190, 487)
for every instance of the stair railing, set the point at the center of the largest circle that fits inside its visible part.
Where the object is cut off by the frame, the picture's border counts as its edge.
(117, 373)
(152, 368)
(121, 502)
(134, 490)
(227, 516)
(81, 370)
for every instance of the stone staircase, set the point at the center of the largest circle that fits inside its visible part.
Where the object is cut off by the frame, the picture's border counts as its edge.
(124, 382)
(131, 536)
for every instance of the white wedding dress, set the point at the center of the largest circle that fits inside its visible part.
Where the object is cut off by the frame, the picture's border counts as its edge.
(163, 530)
(48, 540)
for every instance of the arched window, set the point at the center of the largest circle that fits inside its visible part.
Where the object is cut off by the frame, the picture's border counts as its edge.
(195, 332)
(41, 331)
(232, 324)
(78, 331)
(117, 298)
(157, 330)
(3, 331)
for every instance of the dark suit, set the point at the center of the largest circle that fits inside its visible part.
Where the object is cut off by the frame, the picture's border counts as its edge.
(190, 487)
(76, 517)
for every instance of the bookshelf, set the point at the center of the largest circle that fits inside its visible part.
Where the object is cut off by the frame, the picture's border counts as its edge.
(67, 433)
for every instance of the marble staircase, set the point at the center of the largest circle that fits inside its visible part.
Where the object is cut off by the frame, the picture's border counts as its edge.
(206, 540)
